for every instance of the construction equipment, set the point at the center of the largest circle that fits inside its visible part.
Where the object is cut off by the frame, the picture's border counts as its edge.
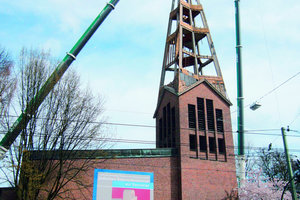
(34, 104)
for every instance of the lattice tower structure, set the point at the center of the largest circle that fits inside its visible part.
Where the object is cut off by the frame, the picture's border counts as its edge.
(190, 55)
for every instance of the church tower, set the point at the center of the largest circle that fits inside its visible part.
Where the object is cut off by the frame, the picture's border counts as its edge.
(193, 109)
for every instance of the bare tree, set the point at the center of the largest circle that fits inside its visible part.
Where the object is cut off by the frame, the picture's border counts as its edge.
(250, 159)
(64, 125)
(273, 165)
(7, 83)
(297, 171)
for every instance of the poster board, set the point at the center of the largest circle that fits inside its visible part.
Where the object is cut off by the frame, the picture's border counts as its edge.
(122, 185)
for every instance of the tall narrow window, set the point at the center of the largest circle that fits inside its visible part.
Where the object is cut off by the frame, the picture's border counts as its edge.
(219, 118)
(193, 143)
(169, 134)
(203, 143)
(201, 114)
(221, 143)
(160, 133)
(192, 116)
(173, 126)
(164, 138)
(212, 145)
(210, 115)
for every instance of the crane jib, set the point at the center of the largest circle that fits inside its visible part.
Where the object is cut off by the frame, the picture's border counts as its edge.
(33, 105)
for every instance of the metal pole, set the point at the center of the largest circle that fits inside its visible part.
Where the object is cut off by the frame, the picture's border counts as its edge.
(240, 98)
(34, 104)
(289, 165)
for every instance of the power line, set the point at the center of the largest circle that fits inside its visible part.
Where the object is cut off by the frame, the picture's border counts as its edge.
(250, 132)
(296, 117)
(271, 91)
(296, 131)
(279, 86)
(146, 125)
(127, 111)
(150, 142)
(274, 89)
(271, 69)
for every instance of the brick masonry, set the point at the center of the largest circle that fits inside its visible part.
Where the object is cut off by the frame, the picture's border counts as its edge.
(188, 175)
(164, 168)
(201, 176)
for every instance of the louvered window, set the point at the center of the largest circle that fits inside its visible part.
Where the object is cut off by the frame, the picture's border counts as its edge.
(173, 126)
(221, 143)
(169, 134)
(193, 143)
(203, 143)
(164, 138)
(212, 145)
(219, 118)
(160, 133)
(192, 116)
(210, 115)
(201, 114)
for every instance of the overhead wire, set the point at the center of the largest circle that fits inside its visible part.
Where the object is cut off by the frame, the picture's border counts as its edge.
(134, 141)
(263, 96)
(296, 131)
(127, 111)
(223, 120)
(144, 125)
(251, 132)
(271, 69)
(271, 91)
(279, 86)
(296, 117)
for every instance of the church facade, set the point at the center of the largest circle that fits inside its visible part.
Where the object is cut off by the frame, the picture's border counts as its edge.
(194, 154)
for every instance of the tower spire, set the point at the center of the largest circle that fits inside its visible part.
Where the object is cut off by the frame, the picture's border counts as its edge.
(192, 106)
(189, 51)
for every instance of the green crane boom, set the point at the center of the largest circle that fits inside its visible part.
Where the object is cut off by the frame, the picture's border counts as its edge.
(34, 104)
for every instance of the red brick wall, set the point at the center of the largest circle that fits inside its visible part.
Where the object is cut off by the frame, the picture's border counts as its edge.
(205, 179)
(164, 169)
(193, 175)
(173, 100)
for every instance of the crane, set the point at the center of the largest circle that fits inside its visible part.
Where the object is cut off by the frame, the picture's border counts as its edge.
(33, 105)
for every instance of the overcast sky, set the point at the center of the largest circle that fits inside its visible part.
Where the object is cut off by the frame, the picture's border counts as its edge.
(122, 62)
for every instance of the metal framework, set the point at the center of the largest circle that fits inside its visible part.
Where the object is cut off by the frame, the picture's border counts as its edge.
(183, 43)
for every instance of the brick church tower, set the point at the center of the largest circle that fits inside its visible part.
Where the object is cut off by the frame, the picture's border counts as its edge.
(194, 154)
(193, 109)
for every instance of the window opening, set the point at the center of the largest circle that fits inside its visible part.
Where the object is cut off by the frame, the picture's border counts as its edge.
(219, 118)
(221, 143)
(201, 114)
(169, 134)
(173, 126)
(192, 116)
(193, 142)
(212, 145)
(210, 115)
(164, 126)
(160, 142)
(203, 144)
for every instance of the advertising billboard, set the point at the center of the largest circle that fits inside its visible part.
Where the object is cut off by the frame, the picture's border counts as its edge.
(122, 185)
